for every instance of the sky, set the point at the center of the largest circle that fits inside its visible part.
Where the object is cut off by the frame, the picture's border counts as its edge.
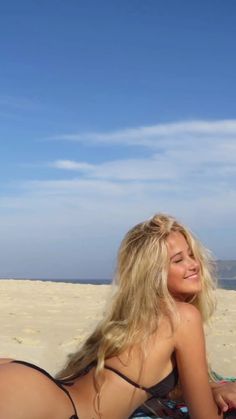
(110, 112)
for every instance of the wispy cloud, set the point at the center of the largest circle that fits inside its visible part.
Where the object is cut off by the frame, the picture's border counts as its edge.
(72, 165)
(127, 169)
(186, 153)
(155, 135)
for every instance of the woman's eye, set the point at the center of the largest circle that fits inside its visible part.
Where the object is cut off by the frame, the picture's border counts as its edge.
(177, 260)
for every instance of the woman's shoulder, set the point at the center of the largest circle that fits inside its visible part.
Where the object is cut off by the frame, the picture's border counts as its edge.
(188, 312)
(189, 323)
(27, 390)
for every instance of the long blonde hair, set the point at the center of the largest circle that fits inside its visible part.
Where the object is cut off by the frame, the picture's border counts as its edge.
(142, 295)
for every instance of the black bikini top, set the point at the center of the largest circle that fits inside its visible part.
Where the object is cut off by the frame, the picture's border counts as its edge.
(57, 382)
(160, 389)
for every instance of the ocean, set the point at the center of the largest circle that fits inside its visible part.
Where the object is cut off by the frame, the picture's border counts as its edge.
(228, 284)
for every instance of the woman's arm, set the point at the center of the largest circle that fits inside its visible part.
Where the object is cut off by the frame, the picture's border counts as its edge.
(192, 364)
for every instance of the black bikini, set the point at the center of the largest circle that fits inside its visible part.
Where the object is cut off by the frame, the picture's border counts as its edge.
(160, 389)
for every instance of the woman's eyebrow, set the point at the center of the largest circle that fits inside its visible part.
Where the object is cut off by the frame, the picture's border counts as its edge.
(176, 254)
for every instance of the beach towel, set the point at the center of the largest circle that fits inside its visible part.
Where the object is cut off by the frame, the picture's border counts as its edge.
(167, 409)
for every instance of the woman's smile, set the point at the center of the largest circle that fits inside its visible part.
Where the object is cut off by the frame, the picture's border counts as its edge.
(194, 276)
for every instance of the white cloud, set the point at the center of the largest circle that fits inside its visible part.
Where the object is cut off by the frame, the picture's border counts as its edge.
(153, 168)
(71, 165)
(156, 135)
(187, 151)
(194, 160)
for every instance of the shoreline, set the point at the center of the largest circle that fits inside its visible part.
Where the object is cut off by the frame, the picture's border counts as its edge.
(44, 321)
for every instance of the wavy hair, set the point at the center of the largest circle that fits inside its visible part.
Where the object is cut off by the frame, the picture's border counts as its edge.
(141, 296)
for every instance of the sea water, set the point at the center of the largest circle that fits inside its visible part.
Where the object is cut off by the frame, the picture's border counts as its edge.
(227, 284)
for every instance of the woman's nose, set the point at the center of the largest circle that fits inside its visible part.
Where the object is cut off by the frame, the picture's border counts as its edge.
(193, 264)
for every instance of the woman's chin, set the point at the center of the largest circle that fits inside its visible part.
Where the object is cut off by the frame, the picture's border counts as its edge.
(188, 297)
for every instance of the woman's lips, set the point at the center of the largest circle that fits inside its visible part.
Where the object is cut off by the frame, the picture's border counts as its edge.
(193, 276)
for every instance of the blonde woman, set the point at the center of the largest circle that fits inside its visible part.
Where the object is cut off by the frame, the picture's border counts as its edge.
(151, 338)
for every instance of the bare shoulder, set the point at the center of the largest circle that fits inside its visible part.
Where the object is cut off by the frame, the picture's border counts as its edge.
(25, 392)
(190, 322)
(188, 310)
(188, 313)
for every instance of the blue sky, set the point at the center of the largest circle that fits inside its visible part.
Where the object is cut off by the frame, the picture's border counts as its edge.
(111, 111)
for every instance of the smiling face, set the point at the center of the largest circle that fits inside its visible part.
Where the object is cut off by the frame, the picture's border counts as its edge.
(184, 271)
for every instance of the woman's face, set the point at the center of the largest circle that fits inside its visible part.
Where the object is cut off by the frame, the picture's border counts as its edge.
(184, 271)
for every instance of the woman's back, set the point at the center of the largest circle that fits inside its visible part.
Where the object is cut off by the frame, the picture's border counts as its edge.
(185, 346)
(118, 396)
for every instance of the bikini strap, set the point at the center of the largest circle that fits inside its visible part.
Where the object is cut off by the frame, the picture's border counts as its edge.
(70, 380)
(75, 416)
(133, 383)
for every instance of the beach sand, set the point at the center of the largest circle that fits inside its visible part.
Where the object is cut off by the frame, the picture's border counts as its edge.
(43, 322)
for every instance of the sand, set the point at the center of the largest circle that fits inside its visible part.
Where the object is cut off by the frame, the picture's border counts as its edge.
(221, 336)
(43, 322)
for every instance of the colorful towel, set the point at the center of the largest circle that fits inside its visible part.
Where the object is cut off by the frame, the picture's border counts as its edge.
(176, 411)
(169, 409)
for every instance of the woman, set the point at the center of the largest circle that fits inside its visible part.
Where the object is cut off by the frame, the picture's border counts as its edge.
(151, 337)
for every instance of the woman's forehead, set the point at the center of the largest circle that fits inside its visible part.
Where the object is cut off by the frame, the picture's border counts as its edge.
(176, 242)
